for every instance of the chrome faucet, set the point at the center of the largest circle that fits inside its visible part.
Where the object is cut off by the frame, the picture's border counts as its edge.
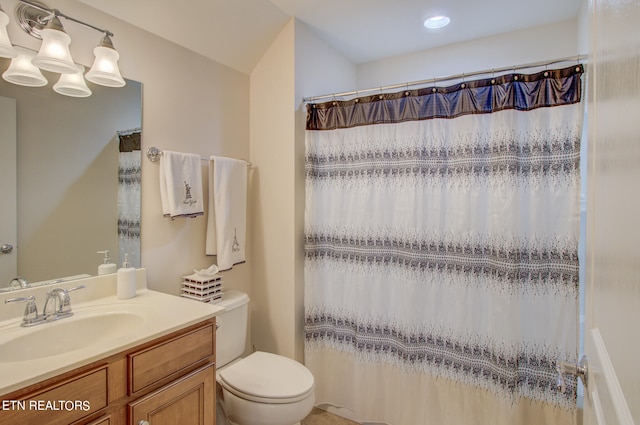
(20, 282)
(57, 306)
(58, 303)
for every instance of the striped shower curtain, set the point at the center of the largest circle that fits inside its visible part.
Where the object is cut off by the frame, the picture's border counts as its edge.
(441, 251)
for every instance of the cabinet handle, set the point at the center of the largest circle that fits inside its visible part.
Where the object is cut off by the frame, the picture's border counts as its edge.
(143, 422)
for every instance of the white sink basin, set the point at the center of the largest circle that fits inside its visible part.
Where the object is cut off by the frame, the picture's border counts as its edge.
(67, 335)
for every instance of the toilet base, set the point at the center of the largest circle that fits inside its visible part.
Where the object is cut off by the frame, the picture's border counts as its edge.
(223, 419)
(233, 410)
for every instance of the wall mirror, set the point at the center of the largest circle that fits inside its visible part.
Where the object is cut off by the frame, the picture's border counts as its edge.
(68, 155)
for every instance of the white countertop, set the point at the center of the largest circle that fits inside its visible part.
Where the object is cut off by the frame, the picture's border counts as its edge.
(154, 314)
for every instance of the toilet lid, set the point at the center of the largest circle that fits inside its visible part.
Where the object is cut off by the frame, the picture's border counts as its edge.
(268, 376)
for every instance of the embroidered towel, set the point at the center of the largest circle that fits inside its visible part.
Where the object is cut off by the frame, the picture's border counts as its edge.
(226, 223)
(181, 185)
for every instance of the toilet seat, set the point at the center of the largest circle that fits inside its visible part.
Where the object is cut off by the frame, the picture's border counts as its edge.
(268, 378)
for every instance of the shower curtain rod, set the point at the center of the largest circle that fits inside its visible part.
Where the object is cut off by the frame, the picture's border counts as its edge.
(578, 58)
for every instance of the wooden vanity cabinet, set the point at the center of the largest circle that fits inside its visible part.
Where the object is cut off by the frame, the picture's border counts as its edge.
(170, 380)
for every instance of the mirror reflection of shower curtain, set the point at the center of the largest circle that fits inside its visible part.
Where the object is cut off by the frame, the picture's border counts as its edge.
(441, 251)
(129, 168)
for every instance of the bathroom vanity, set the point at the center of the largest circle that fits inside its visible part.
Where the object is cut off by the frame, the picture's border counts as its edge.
(157, 367)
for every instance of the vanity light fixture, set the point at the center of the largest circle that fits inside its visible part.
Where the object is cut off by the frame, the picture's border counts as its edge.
(42, 22)
(6, 49)
(105, 67)
(54, 54)
(436, 22)
(22, 72)
(73, 85)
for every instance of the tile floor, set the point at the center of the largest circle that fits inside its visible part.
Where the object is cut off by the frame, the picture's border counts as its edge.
(321, 417)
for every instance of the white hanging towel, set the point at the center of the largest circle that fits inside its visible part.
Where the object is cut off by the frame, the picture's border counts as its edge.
(226, 223)
(181, 185)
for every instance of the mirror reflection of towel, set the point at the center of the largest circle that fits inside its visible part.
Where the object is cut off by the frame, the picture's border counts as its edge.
(226, 223)
(181, 185)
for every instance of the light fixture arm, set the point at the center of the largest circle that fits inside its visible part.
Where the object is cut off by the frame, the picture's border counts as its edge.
(105, 32)
(56, 13)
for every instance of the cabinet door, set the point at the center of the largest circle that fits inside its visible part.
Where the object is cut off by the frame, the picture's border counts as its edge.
(171, 359)
(187, 401)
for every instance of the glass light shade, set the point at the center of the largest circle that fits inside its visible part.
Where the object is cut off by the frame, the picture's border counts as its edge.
(22, 72)
(105, 71)
(6, 49)
(73, 84)
(54, 54)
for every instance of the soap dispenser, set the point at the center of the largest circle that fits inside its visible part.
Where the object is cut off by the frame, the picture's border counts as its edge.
(107, 266)
(126, 280)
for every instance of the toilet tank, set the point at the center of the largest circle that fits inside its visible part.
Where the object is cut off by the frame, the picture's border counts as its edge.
(232, 333)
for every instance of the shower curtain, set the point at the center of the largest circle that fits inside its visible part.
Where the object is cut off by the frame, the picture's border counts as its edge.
(129, 168)
(441, 251)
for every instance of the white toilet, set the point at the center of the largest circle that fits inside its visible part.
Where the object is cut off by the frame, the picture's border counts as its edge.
(262, 388)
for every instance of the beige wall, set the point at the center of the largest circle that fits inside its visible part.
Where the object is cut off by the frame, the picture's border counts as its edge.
(505, 50)
(273, 208)
(296, 65)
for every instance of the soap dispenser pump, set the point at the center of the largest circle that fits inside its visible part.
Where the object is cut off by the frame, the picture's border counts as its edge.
(107, 266)
(126, 280)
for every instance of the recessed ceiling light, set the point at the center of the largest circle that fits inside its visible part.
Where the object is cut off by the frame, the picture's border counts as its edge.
(437, 22)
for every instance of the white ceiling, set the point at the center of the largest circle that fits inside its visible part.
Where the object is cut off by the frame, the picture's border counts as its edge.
(236, 33)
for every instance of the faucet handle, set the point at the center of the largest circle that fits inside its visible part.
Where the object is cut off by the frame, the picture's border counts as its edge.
(30, 311)
(75, 288)
(65, 300)
(19, 299)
